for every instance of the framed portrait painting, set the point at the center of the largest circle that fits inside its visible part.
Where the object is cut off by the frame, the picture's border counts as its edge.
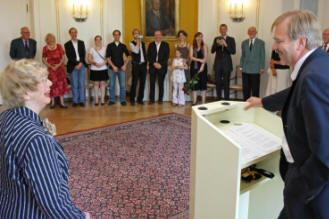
(160, 15)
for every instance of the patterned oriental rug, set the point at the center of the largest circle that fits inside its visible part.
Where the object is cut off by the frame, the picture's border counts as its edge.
(137, 169)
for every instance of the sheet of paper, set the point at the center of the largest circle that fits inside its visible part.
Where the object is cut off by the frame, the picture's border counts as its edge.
(254, 142)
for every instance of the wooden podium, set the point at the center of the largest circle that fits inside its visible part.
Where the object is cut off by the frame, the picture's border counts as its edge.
(216, 189)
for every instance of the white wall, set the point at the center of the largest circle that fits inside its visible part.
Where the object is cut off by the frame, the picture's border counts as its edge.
(103, 17)
(13, 16)
(259, 13)
(54, 16)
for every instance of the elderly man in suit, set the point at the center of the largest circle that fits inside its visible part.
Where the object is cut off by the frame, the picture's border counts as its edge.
(76, 65)
(157, 55)
(157, 19)
(325, 39)
(305, 116)
(224, 47)
(24, 46)
(252, 63)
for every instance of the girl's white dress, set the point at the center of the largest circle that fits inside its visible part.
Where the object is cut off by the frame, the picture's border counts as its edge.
(178, 75)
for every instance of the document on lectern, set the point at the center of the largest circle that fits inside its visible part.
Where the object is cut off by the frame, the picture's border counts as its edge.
(254, 142)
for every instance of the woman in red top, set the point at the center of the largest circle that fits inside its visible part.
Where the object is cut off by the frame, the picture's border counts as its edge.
(53, 57)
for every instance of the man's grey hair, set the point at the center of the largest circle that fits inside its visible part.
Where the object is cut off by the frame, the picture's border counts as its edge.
(302, 23)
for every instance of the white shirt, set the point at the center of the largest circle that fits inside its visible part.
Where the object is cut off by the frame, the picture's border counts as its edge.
(156, 12)
(116, 43)
(98, 58)
(158, 47)
(137, 50)
(294, 75)
(75, 45)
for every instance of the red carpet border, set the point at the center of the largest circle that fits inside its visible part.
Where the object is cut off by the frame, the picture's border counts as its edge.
(137, 169)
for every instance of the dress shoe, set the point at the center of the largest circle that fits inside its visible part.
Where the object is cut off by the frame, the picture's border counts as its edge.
(111, 103)
(133, 103)
(63, 106)
(102, 104)
(82, 104)
(96, 104)
(52, 106)
(140, 102)
(123, 103)
(74, 104)
(160, 102)
(151, 102)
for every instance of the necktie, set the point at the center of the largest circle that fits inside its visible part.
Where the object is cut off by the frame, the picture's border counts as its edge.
(26, 45)
(250, 46)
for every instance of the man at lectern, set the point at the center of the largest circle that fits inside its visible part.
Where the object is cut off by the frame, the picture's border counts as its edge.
(305, 115)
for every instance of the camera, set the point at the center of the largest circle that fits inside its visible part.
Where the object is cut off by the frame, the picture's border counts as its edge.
(139, 37)
(220, 40)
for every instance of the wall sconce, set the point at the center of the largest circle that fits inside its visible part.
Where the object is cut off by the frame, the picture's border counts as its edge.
(236, 10)
(80, 10)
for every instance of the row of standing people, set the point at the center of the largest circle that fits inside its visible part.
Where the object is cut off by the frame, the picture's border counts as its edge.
(100, 58)
(252, 64)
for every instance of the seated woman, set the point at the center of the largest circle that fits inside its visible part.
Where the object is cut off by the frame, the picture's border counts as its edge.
(33, 166)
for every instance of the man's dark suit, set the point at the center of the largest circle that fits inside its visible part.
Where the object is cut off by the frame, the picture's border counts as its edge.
(138, 72)
(163, 57)
(72, 57)
(223, 65)
(18, 50)
(305, 119)
(153, 22)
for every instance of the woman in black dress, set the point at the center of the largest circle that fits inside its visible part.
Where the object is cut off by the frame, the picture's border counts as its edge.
(198, 55)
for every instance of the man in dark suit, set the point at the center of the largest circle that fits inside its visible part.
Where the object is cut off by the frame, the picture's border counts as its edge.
(139, 62)
(325, 39)
(157, 19)
(158, 55)
(76, 65)
(23, 47)
(305, 116)
(224, 47)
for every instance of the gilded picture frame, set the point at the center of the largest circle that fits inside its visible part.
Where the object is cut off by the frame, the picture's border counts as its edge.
(160, 15)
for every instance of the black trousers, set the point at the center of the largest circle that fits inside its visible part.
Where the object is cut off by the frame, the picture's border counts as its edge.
(222, 79)
(159, 74)
(139, 74)
(250, 84)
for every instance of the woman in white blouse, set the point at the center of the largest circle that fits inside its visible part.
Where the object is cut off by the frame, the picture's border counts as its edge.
(98, 69)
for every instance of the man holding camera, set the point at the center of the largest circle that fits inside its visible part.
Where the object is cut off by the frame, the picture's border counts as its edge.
(224, 47)
(139, 61)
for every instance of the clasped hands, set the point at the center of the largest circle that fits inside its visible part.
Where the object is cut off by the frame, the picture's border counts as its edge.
(78, 66)
(157, 65)
(116, 69)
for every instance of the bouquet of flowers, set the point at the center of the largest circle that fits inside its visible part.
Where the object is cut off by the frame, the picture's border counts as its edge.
(191, 83)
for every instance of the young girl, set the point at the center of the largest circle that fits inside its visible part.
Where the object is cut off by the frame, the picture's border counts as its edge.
(178, 78)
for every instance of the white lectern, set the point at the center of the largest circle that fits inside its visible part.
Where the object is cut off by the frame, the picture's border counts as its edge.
(223, 143)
